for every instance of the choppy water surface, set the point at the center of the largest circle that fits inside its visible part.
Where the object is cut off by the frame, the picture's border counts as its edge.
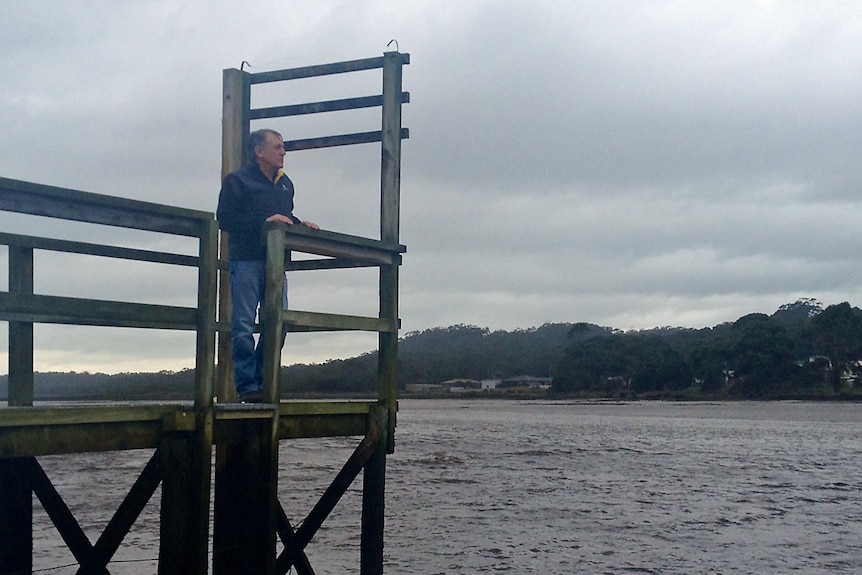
(558, 488)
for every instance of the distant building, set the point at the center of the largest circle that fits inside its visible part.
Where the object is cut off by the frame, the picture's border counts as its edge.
(424, 388)
(527, 381)
(461, 385)
(489, 384)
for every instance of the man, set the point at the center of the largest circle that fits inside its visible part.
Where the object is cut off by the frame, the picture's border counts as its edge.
(256, 193)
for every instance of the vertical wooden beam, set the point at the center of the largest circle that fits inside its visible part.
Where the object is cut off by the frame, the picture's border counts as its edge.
(244, 531)
(272, 307)
(373, 502)
(187, 487)
(16, 501)
(272, 326)
(16, 517)
(390, 169)
(236, 105)
(180, 549)
(20, 332)
(390, 205)
(244, 515)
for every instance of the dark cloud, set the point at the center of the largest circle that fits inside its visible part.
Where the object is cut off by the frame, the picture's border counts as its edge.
(629, 164)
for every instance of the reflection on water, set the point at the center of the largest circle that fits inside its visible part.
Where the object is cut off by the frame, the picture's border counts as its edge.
(555, 488)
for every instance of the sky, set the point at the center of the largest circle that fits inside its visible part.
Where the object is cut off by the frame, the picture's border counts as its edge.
(628, 164)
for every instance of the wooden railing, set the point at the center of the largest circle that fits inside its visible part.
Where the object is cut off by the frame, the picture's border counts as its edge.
(21, 307)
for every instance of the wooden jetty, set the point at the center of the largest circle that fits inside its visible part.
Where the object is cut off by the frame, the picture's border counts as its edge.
(215, 460)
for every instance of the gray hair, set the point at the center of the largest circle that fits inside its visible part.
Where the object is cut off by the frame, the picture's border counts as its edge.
(258, 138)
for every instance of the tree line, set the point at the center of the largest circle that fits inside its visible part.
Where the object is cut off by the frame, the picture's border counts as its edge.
(800, 351)
(803, 350)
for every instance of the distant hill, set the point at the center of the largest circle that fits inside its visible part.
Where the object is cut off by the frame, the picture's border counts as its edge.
(122, 386)
(758, 355)
(440, 354)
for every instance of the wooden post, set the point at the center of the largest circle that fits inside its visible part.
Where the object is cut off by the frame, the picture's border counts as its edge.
(16, 517)
(373, 502)
(244, 532)
(20, 332)
(181, 548)
(194, 474)
(390, 202)
(374, 482)
(16, 502)
(271, 311)
(236, 100)
(244, 513)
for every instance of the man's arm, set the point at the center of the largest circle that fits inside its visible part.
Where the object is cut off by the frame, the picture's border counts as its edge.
(235, 213)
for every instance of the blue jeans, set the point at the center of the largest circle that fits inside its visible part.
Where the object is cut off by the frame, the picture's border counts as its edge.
(247, 286)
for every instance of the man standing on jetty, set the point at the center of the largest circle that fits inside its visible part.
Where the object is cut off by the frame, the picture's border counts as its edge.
(256, 193)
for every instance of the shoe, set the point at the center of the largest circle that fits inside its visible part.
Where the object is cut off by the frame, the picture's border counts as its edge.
(251, 397)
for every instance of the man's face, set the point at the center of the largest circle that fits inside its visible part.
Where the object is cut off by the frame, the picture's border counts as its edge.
(270, 154)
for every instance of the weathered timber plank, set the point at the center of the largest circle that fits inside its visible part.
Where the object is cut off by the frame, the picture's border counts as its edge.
(244, 517)
(79, 438)
(74, 537)
(330, 497)
(330, 240)
(321, 107)
(83, 248)
(324, 247)
(125, 516)
(292, 408)
(286, 533)
(339, 140)
(67, 204)
(83, 414)
(322, 426)
(20, 333)
(78, 311)
(16, 516)
(373, 499)
(229, 429)
(324, 407)
(183, 529)
(326, 264)
(298, 321)
(318, 70)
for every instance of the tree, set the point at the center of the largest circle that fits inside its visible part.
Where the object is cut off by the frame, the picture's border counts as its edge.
(761, 355)
(616, 363)
(837, 334)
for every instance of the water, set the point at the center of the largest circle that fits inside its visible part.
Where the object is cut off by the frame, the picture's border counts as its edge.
(557, 488)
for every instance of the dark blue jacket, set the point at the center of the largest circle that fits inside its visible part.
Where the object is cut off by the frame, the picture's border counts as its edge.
(246, 199)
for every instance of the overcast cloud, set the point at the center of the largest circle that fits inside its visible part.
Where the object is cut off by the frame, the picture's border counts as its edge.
(630, 164)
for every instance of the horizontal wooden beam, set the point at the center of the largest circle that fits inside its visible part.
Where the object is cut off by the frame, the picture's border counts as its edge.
(34, 431)
(296, 419)
(334, 244)
(342, 140)
(305, 321)
(321, 107)
(67, 204)
(83, 248)
(54, 438)
(76, 311)
(322, 70)
(84, 414)
(326, 264)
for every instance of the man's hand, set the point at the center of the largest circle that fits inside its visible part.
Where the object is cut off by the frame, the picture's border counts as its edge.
(311, 225)
(280, 218)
